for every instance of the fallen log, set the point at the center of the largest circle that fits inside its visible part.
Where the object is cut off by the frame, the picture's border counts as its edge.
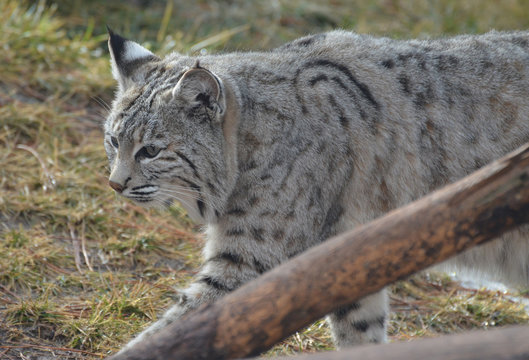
(499, 344)
(350, 266)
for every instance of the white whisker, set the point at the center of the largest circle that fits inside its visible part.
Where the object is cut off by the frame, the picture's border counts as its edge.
(101, 102)
(161, 204)
(191, 193)
(181, 189)
(181, 198)
(169, 192)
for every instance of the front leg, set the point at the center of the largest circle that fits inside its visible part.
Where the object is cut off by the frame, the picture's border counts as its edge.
(225, 270)
(362, 322)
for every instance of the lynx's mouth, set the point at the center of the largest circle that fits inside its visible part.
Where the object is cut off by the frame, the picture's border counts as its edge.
(150, 195)
(142, 194)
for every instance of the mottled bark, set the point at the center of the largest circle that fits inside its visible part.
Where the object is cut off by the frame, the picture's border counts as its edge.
(350, 266)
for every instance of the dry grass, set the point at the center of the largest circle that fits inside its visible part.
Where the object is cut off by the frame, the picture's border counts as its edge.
(82, 270)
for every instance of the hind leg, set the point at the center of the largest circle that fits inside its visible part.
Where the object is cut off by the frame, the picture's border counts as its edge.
(505, 259)
(361, 322)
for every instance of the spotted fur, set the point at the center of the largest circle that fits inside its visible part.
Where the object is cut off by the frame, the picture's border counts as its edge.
(277, 151)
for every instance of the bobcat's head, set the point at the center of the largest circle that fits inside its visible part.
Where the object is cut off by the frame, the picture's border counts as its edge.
(168, 136)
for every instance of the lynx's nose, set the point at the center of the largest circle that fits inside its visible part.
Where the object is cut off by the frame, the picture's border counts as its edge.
(116, 186)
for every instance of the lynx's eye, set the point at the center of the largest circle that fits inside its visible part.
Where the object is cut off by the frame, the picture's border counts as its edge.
(148, 151)
(114, 142)
(151, 150)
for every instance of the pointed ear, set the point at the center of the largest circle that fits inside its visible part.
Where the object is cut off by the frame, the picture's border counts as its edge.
(127, 59)
(202, 90)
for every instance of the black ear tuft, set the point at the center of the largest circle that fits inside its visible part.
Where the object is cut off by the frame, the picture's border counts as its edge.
(117, 44)
(127, 59)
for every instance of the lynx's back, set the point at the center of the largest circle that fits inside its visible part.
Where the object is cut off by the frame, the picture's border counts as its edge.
(276, 151)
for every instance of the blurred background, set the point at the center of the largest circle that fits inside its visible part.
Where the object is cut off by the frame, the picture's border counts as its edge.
(82, 270)
(260, 24)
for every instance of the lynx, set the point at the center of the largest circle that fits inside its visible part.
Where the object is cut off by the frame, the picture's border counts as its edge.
(276, 151)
